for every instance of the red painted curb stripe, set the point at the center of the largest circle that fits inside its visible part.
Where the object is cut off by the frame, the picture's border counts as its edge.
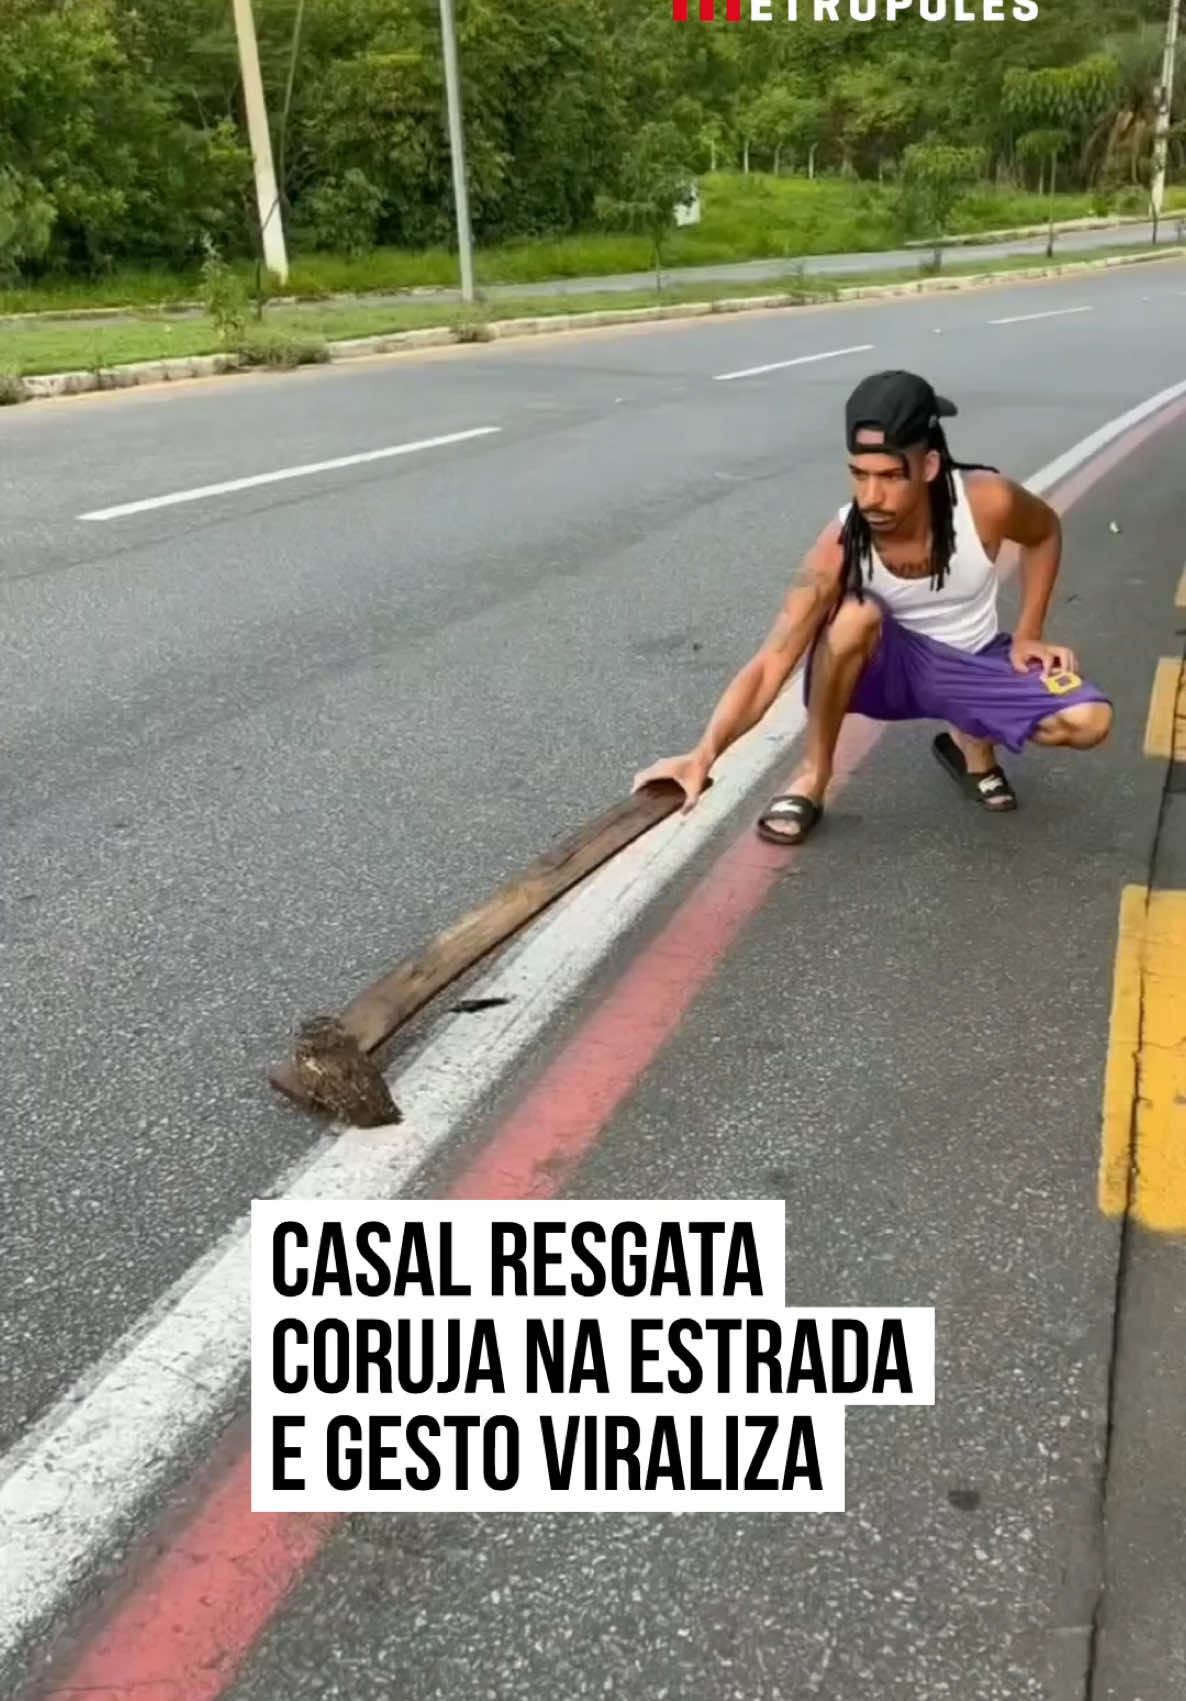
(193, 1620)
(186, 1631)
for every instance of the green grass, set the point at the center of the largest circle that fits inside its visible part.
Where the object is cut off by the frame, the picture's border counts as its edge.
(743, 218)
(64, 348)
(296, 335)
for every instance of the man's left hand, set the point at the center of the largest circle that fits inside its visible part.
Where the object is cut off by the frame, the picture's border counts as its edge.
(1052, 658)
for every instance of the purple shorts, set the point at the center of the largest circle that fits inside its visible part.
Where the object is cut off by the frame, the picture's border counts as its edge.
(914, 678)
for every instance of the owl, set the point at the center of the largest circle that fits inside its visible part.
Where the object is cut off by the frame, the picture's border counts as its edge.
(338, 1078)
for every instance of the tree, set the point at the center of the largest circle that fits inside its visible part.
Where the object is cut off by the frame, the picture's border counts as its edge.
(115, 161)
(808, 122)
(782, 117)
(655, 181)
(1071, 98)
(934, 177)
(1045, 147)
(875, 109)
(1123, 134)
(122, 138)
(712, 141)
(26, 223)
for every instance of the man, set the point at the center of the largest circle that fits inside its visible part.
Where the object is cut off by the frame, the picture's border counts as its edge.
(895, 607)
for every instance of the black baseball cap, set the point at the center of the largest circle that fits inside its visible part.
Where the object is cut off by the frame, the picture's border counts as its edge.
(901, 405)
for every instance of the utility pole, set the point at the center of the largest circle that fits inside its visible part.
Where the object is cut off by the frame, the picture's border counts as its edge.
(1165, 96)
(457, 150)
(270, 222)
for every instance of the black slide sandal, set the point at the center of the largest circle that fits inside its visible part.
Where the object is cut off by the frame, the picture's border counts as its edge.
(792, 807)
(991, 789)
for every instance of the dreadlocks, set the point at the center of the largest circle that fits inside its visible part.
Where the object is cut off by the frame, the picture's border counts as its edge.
(858, 539)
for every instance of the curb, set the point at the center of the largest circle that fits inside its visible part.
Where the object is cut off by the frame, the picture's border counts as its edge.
(46, 384)
(1109, 221)
(57, 384)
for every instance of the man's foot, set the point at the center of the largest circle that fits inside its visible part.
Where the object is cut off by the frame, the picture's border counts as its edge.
(787, 820)
(975, 772)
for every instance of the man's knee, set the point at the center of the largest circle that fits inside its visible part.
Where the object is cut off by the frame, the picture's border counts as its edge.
(855, 627)
(1080, 725)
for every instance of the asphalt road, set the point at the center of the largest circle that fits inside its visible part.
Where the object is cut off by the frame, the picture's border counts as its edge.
(254, 748)
(907, 1046)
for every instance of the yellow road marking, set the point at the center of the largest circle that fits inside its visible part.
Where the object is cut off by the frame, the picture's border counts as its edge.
(1165, 729)
(1147, 1065)
(1124, 1039)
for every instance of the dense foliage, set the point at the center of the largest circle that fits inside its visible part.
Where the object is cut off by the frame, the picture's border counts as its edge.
(122, 138)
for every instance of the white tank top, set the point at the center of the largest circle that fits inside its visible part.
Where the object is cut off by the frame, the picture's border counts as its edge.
(962, 614)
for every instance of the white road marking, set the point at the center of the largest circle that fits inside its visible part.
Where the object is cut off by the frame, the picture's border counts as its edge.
(1054, 313)
(1075, 457)
(780, 365)
(77, 1482)
(230, 485)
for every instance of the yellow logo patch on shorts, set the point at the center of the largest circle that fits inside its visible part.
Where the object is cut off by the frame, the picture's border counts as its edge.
(1061, 683)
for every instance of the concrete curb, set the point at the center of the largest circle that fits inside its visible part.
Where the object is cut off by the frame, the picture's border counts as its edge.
(985, 280)
(1109, 221)
(126, 377)
(57, 384)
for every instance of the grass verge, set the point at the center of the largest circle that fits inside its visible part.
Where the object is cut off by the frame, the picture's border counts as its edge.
(291, 336)
(751, 217)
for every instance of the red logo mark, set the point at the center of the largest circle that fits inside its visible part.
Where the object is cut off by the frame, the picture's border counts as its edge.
(679, 11)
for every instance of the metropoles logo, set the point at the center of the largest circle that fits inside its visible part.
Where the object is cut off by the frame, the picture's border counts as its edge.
(679, 11)
(865, 11)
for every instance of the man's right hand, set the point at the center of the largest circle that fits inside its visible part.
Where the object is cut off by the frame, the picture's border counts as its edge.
(690, 771)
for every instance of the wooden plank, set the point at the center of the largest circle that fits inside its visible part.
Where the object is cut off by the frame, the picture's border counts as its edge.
(371, 1018)
(382, 1008)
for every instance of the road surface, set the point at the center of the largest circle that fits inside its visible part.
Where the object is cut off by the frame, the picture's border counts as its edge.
(261, 742)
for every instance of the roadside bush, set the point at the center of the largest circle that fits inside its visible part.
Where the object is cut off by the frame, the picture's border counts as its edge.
(280, 350)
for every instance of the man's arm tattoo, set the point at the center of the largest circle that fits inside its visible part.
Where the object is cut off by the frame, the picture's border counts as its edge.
(809, 575)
